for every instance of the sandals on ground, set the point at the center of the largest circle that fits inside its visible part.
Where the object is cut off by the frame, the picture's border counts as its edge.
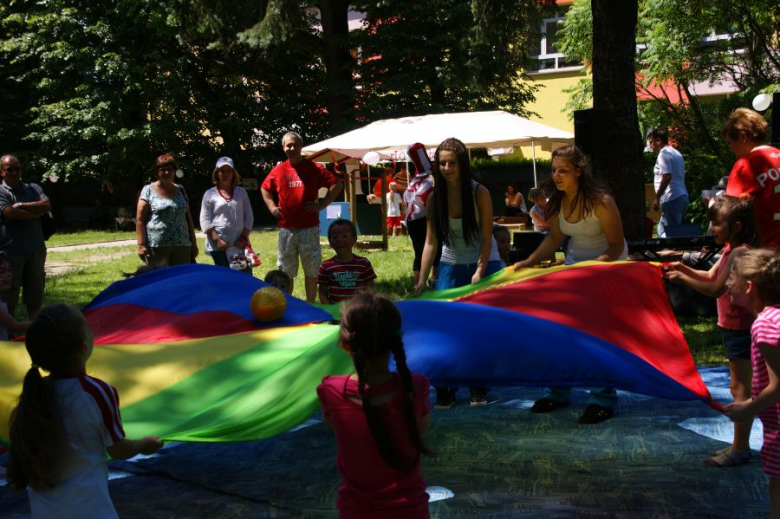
(729, 458)
(545, 405)
(595, 413)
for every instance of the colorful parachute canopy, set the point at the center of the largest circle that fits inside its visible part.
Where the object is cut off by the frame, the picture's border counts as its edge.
(593, 324)
(185, 302)
(191, 363)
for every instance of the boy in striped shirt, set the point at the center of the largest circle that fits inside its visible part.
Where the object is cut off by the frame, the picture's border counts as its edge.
(346, 274)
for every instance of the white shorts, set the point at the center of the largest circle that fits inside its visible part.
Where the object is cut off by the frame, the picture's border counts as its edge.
(299, 242)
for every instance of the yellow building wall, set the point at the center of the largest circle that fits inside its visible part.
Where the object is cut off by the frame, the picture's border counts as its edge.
(549, 105)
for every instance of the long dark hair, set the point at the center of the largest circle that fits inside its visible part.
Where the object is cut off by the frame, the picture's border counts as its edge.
(590, 192)
(438, 212)
(371, 328)
(38, 445)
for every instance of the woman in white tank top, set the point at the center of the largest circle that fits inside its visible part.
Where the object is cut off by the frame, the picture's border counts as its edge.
(460, 216)
(585, 211)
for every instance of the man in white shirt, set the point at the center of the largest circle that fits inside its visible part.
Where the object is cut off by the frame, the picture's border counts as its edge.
(671, 197)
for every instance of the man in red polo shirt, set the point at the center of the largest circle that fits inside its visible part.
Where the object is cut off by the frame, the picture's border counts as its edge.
(297, 182)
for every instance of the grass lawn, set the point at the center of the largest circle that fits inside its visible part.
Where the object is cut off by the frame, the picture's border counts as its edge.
(92, 270)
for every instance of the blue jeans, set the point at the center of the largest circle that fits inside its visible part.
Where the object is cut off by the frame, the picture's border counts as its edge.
(459, 275)
(453, 276)
(672, 213)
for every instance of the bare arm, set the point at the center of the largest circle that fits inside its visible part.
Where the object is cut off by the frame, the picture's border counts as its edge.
(666, 178)
(429, 254)
(9, 323)
(709, 283)
(193, 239)
(142, 214)
(551, 243)
(125, 449)
(319, 205)
(323, 292)
(26, 210)
(612, 227)
(740, 411)
(268, 198)
(485, 208)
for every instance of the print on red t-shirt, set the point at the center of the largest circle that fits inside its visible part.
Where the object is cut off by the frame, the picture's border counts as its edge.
(758, 174)
(295, 186)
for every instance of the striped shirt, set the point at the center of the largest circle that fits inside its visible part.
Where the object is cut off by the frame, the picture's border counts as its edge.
(766, 332)
(345, 280)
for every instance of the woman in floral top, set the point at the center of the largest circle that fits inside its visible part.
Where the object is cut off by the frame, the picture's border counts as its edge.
(164, 229)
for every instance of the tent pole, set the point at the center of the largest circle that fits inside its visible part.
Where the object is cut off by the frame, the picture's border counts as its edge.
(533, 154)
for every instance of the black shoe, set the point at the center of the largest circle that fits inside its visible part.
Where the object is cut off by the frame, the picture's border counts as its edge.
(545, 405)
(445, 397)
(595, 413)
(478, 395)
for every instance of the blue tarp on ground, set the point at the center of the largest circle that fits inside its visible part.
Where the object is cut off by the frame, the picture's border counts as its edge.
(499, 461)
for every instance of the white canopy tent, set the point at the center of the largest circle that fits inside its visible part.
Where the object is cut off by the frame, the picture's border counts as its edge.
(497, 129)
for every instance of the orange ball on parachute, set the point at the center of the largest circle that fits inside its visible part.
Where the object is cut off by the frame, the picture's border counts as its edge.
(268, 304)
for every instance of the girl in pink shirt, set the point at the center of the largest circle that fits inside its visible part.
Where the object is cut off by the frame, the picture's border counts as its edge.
(378, 417)
(755, 284)
(732, 224)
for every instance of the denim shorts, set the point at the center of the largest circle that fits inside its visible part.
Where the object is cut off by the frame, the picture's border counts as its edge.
(736, 343)
(459, 275)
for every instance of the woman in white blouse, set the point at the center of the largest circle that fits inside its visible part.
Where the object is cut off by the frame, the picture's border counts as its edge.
(225, 214)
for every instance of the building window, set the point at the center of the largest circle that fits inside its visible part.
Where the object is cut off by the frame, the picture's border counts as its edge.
(544, 51)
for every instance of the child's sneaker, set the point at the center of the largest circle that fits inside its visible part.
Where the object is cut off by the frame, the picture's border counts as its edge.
(479, 396)
(445, 397)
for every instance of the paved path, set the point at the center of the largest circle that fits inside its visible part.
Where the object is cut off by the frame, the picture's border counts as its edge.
(55, 268)
(116, 243)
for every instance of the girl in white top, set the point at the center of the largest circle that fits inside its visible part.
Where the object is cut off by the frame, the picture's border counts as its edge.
(585, 211)
(66, 423)
(582, 209)
(225, 214)
(461, 217)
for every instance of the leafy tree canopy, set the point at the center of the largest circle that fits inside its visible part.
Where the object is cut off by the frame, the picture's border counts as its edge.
(102, 88)
(444, 55)
(684, 43)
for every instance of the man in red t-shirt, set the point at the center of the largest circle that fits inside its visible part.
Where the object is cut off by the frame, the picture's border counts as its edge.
(756, 172)
(297, 182)
(389, 176)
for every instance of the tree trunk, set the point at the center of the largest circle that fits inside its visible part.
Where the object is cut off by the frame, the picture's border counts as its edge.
(619, 165)
(339, 64)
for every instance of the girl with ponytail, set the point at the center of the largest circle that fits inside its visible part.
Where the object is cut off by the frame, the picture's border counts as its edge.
(754, 283)
(66, 422)
(378, 416)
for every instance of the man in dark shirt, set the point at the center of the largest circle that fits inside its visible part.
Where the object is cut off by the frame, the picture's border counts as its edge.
(21, 236)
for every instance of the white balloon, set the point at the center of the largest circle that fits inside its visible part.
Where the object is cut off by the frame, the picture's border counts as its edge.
(761, 102)
(179, 173)
(371, 158)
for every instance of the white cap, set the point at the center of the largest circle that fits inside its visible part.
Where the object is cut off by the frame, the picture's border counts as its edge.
(224, 161)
